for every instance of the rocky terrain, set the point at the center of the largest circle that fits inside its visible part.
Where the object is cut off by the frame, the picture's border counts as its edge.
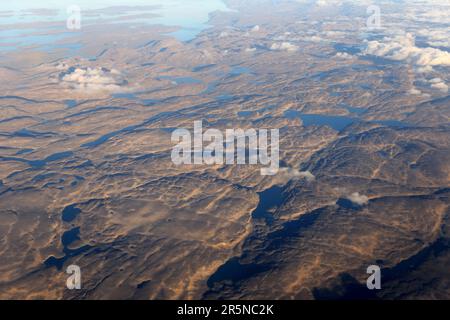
(86, 176)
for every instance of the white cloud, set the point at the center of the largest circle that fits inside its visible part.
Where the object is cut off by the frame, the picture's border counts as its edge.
(62, 66)
(358, 199)
(284, 46)
(343, 55)
(92, 79)
(436, 38)
(291, 173)
(439, 84)
(403, 48)
(426, 69)
(332, 34)
(324, 3)
(434, 11)
(415, 91)
(314, 39)
(255, 28)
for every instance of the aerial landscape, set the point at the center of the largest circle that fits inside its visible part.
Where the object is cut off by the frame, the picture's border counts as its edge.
(348, 103)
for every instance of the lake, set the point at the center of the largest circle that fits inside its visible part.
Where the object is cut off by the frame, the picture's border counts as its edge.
(338, 123)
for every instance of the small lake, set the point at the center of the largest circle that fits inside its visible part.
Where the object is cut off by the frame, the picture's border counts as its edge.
(180, 80)
(233, 270)
(268, 199)
(70, 213)
(239, 70)
(67, 239)
(40, 163)
(338, 123)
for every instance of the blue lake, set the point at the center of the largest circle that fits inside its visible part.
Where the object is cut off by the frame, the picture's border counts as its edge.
(40, 163)
(338, 123)
(238, 70)
(268, 199)
(67, 239)
(181, 80)
(233, 270)
(356, 110)
(70, 213)
(239, 268)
